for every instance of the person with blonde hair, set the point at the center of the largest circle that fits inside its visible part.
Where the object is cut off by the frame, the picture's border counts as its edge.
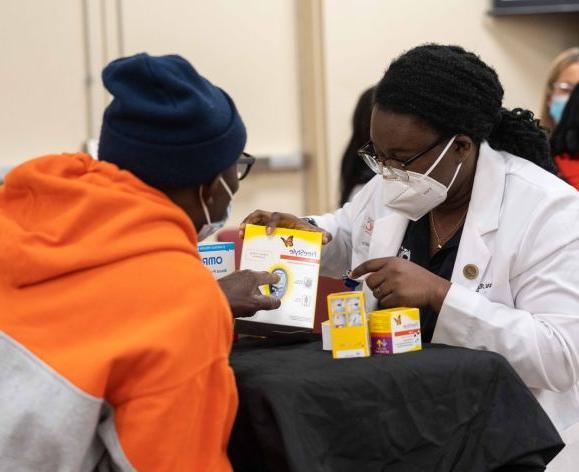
(562, 79)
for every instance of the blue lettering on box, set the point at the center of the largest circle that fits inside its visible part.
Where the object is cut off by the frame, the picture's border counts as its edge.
(213, 260)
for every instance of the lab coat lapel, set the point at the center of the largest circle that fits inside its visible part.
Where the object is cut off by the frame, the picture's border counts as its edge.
(472, 259)
(387, 235)
(474, 255)
(386, 239)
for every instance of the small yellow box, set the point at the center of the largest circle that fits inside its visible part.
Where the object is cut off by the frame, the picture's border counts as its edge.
(348, 325)
(395, 331)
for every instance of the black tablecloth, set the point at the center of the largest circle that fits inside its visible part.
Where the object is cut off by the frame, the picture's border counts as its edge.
(441, 409)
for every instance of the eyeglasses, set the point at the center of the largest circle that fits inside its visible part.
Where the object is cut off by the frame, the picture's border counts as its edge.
(563, 87)
(244, 164)
(377, 164)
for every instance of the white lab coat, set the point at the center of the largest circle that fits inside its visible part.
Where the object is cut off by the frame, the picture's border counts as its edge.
(522, 234)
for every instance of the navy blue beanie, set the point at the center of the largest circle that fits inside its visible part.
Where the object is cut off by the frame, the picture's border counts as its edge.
(167, 124)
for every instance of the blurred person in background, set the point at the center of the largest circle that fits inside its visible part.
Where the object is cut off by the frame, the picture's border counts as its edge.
(561, 82)
(354, 174)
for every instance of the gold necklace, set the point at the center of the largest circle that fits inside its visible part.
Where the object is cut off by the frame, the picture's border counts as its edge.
(441, 242)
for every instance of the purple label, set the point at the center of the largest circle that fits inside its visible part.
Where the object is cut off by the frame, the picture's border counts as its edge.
(381, 344)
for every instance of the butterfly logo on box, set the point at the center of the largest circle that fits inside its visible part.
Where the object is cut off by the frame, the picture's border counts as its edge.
(295, 252)
(288, 242)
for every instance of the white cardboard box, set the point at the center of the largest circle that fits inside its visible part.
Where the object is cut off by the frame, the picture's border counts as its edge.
(219, 258)
(326, 336)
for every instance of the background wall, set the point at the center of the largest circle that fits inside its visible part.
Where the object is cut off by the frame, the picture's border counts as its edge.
(51, 96)
(42, 93)
(363, 36)
(249, 48)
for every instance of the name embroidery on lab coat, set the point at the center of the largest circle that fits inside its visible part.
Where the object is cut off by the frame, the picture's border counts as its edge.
(484, 286)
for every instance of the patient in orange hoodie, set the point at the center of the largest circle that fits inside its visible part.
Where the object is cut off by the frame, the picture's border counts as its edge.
(114, 338)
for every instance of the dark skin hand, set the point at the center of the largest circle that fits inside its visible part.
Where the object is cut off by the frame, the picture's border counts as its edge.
(396, 282)
(241, 288)
(274, 220)
(242, 291)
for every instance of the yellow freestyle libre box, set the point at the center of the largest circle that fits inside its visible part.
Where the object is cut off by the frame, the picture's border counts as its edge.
(348, 325)
(395, 330)
(294, 256)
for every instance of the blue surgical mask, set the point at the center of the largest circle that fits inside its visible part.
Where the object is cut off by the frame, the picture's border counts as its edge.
(557, 107)
(210, 227)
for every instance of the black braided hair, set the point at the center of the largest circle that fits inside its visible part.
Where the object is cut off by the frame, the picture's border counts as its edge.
(455, 92)
(565, 139)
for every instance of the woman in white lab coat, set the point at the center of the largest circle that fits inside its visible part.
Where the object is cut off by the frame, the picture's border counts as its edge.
(465, 220)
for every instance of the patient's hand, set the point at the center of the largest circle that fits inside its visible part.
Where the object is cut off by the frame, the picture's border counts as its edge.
(243, 295)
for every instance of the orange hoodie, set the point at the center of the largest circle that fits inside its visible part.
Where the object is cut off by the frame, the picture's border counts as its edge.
(114, 338)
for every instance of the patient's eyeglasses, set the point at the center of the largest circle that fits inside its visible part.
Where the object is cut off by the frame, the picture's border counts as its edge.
(244, 164)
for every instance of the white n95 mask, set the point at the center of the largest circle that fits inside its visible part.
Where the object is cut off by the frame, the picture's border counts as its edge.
(418, 195)
(210, 227)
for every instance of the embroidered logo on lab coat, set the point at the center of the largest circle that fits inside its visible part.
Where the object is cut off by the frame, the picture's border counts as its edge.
(368, 226)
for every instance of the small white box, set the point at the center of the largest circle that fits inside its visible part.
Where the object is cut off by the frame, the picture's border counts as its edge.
(219, 258)
(326, 336)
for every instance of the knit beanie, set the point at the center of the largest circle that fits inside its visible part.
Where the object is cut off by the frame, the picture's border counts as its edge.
(167, 124)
